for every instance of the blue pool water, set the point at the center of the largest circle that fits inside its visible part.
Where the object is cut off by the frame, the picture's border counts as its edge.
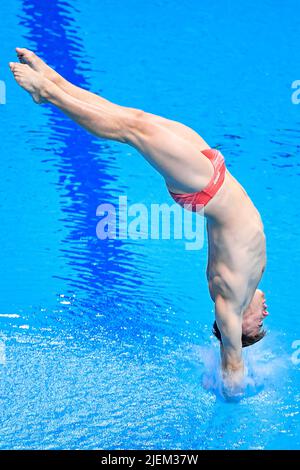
(107, 344)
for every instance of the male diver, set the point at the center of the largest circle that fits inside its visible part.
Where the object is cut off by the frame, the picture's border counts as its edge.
(195, 174)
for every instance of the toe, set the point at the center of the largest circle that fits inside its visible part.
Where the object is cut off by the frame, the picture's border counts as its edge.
(22, 50)
(25, 55)
(18, 66)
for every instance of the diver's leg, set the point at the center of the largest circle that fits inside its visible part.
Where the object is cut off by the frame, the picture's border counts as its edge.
(180, 162)
(35, 62)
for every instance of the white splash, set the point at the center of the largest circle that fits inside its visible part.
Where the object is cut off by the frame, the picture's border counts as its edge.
(262, 368)
(9, 315)
(2, 353)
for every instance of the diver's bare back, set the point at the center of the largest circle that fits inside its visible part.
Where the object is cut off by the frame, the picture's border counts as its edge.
(237, 245)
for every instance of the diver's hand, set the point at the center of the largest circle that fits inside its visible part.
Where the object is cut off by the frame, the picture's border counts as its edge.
(233, 382)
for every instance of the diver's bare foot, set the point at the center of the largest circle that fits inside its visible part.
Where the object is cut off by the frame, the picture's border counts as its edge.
(30, 80)
(28, 57)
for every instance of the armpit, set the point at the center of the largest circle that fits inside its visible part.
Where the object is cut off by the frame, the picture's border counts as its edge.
(228, 287)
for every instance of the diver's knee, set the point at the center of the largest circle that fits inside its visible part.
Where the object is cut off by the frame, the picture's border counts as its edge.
(136, 124)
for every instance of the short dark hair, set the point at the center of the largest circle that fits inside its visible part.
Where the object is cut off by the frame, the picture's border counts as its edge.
(246, 339)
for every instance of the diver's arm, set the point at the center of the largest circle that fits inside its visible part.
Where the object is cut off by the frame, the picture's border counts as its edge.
(229, 322)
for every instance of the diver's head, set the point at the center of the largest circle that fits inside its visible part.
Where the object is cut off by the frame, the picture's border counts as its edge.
(252, 328)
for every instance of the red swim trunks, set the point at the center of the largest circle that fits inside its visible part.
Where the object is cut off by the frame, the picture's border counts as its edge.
(203, 197)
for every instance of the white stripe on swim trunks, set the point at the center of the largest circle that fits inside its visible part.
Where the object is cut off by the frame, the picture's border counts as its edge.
(218, 163)
(217, 177)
